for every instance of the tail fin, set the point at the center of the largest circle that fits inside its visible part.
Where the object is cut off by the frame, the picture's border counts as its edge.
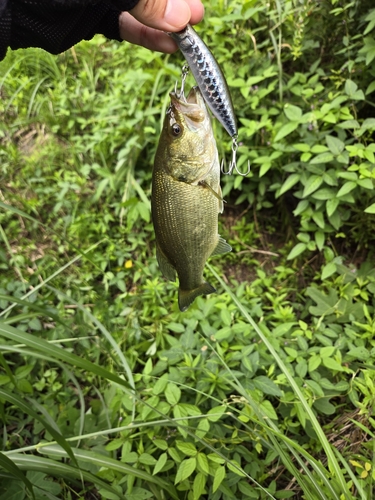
(186, 297)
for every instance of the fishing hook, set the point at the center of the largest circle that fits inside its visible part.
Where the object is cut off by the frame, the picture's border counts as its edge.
(184, 74)
(233, 162)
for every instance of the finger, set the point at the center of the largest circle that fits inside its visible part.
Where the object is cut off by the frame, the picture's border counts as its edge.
(166, 15)
(135, 32)
(197, 11)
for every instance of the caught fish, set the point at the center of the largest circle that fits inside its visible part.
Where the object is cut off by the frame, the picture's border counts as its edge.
(208, 75)
(186, 196)
(211, 83)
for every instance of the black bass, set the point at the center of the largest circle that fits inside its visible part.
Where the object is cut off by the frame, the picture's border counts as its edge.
(186, 196)
(208, 76)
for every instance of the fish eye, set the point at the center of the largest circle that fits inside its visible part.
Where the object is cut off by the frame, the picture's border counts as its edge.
(176, 129)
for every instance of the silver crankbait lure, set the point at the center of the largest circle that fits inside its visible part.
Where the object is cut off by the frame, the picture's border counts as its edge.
(211, 83)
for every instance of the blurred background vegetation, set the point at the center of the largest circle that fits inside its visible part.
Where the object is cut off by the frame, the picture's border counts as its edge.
(263, 390)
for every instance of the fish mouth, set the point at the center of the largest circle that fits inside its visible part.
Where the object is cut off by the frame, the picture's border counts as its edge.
(191, 109)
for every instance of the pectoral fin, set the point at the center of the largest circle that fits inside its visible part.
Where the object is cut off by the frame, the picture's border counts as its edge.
(186, 297)
(217, 195)
(166, 268)
(221, 247)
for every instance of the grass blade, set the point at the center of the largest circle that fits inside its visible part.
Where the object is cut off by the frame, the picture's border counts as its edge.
(15, 400)
(107, 462)
(45, 347)
(7, 464)
(58, 469)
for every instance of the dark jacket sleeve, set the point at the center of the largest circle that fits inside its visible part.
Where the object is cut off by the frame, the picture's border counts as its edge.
(56, 25)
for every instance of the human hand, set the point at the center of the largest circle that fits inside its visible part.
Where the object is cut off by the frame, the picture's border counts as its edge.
(145, 24)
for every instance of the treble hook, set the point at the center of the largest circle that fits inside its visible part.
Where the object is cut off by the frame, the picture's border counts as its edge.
(233, 163)
(184, 74)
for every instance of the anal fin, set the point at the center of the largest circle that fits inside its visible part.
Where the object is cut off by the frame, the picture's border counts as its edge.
(221, 247)
(166, 268)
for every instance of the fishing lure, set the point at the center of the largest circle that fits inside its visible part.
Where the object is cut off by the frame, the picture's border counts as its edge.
(211, 83)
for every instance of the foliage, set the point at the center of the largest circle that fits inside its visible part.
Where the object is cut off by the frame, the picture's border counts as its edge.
(264, 390)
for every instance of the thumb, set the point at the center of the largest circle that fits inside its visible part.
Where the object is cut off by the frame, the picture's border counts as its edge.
(165, 15)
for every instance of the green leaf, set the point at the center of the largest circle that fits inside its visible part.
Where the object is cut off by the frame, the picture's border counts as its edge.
(162, 460)
(318, 218)
(322, 158)
(175, 456)
(198, 486)
(368, 124)
(324, 194)
(360, 353)
(267, 408)
(314, 362)
(328, 270)
(285, 130)
(327, 352)
(331, 206)
(301, 369)
(266, 385)
(336, 146)
(202, 428)
(213, 457)
(289, 182)
(175, 327)
(296, 251)
(236, 470)
(314, 387)
(147, 459)
(214, 414)
(348, 124)
(370, 209)
(264, 168)
(312, 184)
(203, 463)
(160, 443)
(247, 490)
(366, 184)
(325, 304)
(324, 406)
(319, 239)
(185, 469)
(172, 394)
(115, 444)
(332, 365)
(293, 113)
(186, 448)
(218, 478)
(370, 88)
(301, 146)
(346, 188)
(350, 87)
